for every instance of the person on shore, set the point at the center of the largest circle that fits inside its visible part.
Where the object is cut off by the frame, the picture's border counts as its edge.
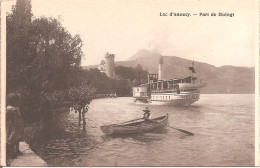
(147, 114)
(14, 126)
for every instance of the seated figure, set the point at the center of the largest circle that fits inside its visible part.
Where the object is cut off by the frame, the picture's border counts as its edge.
(14, 126)
(147, 114)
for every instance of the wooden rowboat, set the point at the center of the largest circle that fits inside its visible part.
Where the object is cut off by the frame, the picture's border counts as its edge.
(135, 127)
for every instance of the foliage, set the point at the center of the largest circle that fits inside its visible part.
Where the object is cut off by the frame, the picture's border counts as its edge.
(43, 66)
(18, 25)
(58, 54)
(125, 72)
(127, 77)
(43, 62)
(81, 96)
(123, 87)
(102, 83)
(106, 85)
(136, 75)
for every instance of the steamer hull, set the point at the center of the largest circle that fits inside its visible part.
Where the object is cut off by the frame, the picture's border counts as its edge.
(177, 92)
(174, 99)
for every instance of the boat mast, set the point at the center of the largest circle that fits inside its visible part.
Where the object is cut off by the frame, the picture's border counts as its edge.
(192, 72)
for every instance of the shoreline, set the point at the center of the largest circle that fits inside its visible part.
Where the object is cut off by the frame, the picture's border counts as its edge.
(28, 158)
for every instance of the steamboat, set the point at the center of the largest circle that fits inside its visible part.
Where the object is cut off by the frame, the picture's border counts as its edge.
(176, 92)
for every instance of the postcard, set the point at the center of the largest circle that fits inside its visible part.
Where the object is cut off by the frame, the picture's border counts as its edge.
(129, 83)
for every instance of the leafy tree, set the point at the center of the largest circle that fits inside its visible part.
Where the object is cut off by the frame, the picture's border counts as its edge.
(123, 88)
(102, 83)
(133, 74)
(81, 97)
(43, 62)
(125, 72)
(58, 54)
(18, 25)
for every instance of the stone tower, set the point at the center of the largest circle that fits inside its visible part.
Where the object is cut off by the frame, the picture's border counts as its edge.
(160, 73)
(110, 64)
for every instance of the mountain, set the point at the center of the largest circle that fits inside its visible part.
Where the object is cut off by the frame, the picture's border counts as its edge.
(224, 79)
(144, 53)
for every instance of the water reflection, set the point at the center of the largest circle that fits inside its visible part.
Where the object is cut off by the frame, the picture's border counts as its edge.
(156, 135)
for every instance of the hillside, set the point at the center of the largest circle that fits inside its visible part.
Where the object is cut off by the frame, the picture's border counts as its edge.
(224, 79)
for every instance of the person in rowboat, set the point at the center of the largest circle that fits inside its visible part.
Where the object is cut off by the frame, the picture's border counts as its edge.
(147, 114)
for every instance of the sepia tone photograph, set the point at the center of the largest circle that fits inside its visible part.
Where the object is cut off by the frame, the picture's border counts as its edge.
(129, 83)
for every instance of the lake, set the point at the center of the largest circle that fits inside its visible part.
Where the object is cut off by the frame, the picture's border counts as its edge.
(223, 127)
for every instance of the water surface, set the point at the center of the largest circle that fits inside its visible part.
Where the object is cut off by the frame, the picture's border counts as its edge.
(223, 126)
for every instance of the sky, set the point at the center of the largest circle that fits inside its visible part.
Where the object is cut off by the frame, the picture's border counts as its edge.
(123, 27)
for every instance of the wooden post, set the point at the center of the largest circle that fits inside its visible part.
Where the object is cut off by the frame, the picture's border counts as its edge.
(84, 121)
(79, 117)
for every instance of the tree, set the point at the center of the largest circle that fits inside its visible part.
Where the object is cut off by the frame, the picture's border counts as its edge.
(43, 62)
(132, 74)
(19, 53)
(125, 72)
(123, 87)
(102, 83)
(58, 54)
(81, 97)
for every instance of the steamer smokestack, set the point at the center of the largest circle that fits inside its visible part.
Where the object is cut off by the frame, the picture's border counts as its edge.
(160, 74)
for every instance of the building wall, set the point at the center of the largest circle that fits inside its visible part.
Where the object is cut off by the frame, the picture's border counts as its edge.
(139, 91)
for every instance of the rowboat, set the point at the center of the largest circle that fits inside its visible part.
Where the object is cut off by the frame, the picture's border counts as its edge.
(135, 127)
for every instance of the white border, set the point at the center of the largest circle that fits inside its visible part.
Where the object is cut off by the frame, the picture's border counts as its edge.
(3, 83)
(257, 126)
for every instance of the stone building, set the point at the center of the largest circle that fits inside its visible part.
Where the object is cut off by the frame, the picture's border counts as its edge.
(108, 66)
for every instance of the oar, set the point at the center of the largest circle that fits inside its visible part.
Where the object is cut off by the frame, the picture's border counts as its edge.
(181, 130)
(132, 120)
